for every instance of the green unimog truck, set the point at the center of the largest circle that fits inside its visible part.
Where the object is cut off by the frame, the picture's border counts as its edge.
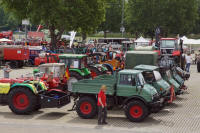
(152, 76)
(167, 76)
(126, 89)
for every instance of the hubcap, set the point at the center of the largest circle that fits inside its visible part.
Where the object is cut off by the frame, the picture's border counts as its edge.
(136, 111)
(20, 101)
(86, 108)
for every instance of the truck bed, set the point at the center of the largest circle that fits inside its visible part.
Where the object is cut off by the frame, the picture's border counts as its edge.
(90, 86)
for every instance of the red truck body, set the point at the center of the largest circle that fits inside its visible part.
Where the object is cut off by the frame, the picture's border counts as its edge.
(16, 53)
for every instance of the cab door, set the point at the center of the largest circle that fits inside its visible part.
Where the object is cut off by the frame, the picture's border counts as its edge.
(126, 85)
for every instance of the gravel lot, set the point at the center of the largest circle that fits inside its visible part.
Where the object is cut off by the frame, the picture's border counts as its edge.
(182, 116)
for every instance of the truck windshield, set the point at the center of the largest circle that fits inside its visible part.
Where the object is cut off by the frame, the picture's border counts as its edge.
(141, 79)
(157, 75)
(167, 43)
(168, 74)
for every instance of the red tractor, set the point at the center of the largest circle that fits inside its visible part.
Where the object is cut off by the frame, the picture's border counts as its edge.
(169, 47)
(46, 58)
(55, 75)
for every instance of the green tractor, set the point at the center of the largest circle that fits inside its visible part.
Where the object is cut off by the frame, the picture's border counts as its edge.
(29, 96)
(76, 65)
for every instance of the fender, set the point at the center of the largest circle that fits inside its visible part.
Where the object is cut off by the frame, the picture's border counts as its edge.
(109, 66)
(135, 97)
(29, 86)
(77, 70)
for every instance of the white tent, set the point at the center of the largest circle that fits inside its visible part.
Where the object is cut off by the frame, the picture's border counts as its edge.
(5, 40)
(191, 42)
(141, 42)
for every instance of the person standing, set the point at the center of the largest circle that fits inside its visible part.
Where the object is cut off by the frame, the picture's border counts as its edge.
(7, 70)
(198, 62)
(188, 59)
(102, 106)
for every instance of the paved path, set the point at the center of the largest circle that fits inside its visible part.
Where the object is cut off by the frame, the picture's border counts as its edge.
(183, 116)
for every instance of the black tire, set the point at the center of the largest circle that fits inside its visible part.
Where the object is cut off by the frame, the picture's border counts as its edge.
(13, 64)
(86, 107)
(23, 94)
(136, 111)
(76, 75)
(20, 64)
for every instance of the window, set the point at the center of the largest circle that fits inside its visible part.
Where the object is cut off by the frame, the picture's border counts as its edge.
(127, 79)
(168, 43)
(74, 63)
(149, 76)
(157, 75)
(141, 79)
(169, 74)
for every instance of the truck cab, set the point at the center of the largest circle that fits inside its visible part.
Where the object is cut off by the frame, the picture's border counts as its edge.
(152, 76)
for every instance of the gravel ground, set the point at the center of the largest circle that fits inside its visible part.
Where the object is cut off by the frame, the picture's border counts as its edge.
(182, 116)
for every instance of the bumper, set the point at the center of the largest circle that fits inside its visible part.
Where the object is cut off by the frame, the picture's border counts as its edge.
(157, 103)
(179, 92)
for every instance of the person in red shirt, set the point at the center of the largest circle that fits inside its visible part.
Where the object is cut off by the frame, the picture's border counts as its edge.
(102, 106)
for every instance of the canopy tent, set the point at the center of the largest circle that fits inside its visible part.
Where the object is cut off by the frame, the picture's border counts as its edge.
(141, 42)
(5, 40)
(192, 43)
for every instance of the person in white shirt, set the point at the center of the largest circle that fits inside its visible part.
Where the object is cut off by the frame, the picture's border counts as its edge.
(188, 59)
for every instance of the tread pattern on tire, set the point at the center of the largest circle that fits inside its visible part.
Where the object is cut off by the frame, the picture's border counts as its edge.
(94, 107)
(138, 103)
(32, 100)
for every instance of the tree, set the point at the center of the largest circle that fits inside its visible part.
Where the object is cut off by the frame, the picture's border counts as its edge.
(59, 15)
(112, 21)
(7, 21)
(172, 16)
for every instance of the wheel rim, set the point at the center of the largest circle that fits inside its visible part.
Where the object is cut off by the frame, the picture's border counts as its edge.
(20, 101)
(86, 108)
(70, 81)
(136, 111)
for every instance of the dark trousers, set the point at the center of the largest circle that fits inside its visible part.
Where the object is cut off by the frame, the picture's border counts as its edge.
(102, 114)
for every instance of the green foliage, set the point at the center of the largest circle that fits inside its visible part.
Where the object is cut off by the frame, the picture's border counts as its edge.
(112, 21)
(7, 21)
(172, 16)
(60, 15)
